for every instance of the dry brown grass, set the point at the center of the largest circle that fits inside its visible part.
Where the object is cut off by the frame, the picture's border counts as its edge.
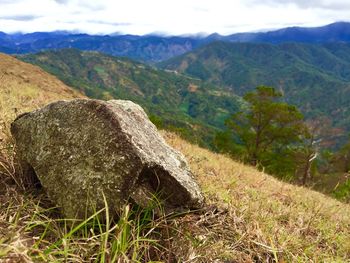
(23, 87)
(261, 219)
(250, 216)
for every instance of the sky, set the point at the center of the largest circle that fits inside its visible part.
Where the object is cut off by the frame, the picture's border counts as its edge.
(169, 17)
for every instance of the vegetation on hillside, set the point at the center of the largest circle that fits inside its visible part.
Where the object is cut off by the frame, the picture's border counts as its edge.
(269, 133)
(274, 137)
(251, 217)
(182, 104)
(313, 77)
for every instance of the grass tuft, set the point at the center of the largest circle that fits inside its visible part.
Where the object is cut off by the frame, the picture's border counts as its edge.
(31, 232)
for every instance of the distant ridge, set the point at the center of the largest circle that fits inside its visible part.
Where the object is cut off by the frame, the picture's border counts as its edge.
(336, 32)
(156, 48)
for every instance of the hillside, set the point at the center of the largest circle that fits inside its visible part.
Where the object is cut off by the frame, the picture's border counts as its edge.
(23, 85)
(176, 102)
(250, 217)
(313, 77)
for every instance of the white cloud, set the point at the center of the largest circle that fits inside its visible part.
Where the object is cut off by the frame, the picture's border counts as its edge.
(172, 17)
(323, 4)
(20, 17)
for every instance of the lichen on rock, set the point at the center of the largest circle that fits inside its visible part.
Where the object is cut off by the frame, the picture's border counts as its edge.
(86, 151)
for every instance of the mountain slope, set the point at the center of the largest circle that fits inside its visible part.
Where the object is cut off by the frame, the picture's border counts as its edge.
(185, 104)
(250, 217)
(266, 220)
(313, 77)
(25, 85)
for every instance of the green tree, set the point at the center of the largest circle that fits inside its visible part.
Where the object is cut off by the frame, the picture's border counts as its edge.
(267, 128)
(341, 169)
(341, 160)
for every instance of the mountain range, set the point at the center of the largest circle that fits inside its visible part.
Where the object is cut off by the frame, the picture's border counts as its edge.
(153, 48)
(335, 32)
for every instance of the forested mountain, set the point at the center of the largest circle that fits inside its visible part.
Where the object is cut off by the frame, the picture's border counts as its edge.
(180, 103)
(313, 77)
(144, 48)
(336, 32)
(153, 48)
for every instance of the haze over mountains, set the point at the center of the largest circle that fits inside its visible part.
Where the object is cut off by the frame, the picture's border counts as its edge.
(153, 48)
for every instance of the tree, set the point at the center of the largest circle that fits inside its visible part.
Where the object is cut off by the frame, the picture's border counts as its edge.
(306, 152)
(319, 137)
(341, 159)
(267, 128)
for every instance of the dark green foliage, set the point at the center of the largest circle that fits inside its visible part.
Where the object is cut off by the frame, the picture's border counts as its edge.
(341, 159)
(156, 121)
(342, 192)
(341, 165)
(185, 105)
(226, 142)
(268, 130)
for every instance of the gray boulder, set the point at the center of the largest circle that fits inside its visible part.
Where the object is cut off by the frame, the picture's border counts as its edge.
(86, 153)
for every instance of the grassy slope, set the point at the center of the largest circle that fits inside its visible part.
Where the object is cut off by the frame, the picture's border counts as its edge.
(265, 215)
(25, 87)
(251, 217)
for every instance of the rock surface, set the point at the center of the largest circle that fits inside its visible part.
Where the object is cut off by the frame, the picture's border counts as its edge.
(86, 151)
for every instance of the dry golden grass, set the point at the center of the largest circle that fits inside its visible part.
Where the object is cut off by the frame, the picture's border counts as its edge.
(250, 216)
(262, 219)
(25, 87)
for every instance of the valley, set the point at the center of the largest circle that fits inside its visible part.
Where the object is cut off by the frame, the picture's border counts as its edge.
(195, 109)
(315, 78)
